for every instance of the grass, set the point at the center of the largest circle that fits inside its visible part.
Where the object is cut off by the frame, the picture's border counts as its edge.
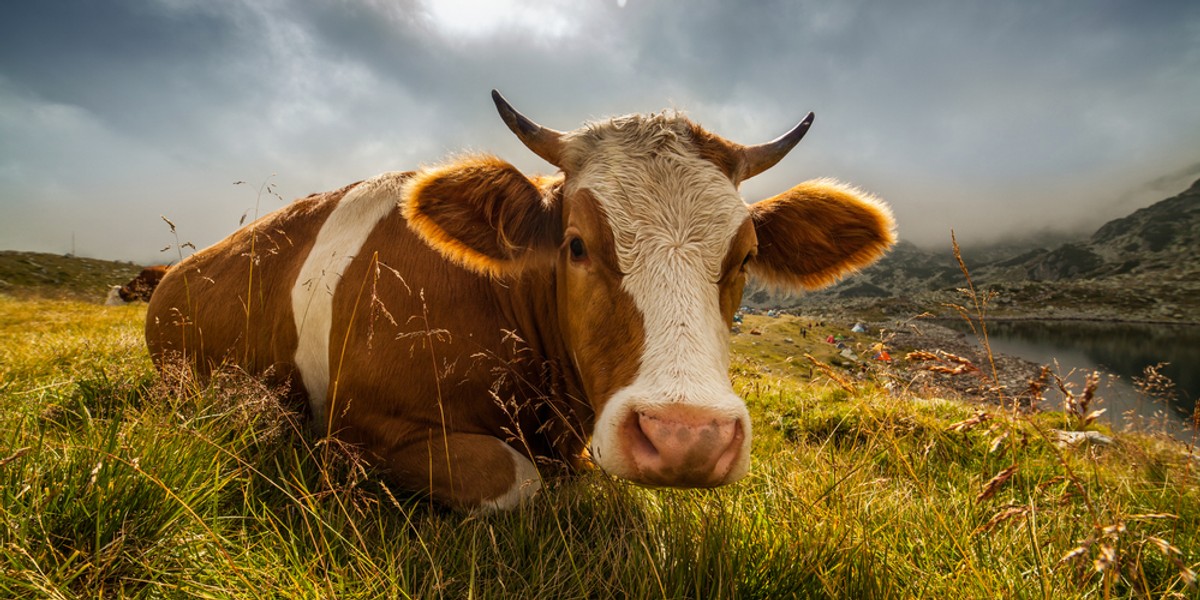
(113, 486)
(41, 275)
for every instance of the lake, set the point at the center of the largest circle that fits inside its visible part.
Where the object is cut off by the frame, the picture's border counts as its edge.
(1123, 350)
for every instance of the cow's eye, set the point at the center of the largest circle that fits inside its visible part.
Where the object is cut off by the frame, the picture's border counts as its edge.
(578, 251)
(746, 261)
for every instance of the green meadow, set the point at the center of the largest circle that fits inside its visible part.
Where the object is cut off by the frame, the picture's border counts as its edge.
(114, 485)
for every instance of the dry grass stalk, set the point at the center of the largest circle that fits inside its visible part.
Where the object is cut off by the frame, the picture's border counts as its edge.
(970, 422)
(1154, 384)
(980, 303)
(1108, 555)
(1006, 514)
(1108, 539)
(832, 374)
(920, 356)
(1076, 552)
(1079, 406)
(1050, 482)
(1038, 384)
(14, 456)
(946, 363)
(998, 443)
(995, 484)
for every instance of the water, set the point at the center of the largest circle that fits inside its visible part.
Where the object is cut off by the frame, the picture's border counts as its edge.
(1122, 350)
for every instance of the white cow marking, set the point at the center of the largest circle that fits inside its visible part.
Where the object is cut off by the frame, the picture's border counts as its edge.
(526, 482)
(674, 216)
(114, 297)
(340, 239)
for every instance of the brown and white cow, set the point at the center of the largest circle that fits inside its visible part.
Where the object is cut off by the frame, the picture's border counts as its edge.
(140, 287)
(467, 322)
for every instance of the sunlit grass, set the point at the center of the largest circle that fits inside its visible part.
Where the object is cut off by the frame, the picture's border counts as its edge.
(112, 485)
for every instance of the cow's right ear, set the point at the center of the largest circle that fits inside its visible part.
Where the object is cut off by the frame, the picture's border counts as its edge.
(483, 214)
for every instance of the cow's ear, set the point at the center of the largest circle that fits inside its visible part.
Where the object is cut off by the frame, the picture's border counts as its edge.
(483, 214)
(815, 233)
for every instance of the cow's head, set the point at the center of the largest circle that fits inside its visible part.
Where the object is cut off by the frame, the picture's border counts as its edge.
(650, 244)
(138, 288)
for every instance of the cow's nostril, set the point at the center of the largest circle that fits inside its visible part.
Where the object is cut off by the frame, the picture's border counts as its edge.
(683, 446)
(639, 443)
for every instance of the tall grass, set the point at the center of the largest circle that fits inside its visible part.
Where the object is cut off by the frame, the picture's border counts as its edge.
(113, 486)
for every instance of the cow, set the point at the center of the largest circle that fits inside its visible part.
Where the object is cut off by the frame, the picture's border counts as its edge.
(470, 327)
(140, 287)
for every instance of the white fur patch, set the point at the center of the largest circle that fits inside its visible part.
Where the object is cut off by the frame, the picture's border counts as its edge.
(674, 216)
(340, 239)
(114, 297)
(526, 483)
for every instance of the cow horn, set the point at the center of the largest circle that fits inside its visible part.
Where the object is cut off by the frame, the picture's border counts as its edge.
(756, 159)
(545, 142)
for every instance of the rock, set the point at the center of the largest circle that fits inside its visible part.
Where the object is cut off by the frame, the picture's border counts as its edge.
(1075, 438)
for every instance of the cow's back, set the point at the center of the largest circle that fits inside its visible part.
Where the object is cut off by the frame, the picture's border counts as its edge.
(230, 304)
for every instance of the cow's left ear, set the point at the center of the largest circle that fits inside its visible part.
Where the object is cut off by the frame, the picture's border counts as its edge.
(815, 233)
(483, 214)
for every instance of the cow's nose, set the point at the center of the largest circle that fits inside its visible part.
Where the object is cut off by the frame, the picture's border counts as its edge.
(683, 446)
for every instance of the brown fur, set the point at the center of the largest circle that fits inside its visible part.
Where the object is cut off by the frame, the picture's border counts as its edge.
(718, 151)
(142, 287)
(733, 269)
(483, 213)
(200, 310)
(465, 346)
(815, 233)
(604, 326)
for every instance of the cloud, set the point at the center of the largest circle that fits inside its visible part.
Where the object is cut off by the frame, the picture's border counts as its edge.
(979, 116)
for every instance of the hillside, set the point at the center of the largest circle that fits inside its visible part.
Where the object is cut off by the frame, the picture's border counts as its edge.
(1141, 267)
(35, 274)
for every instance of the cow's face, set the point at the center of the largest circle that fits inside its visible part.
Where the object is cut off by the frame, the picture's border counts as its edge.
(650, 244)
(655, 239)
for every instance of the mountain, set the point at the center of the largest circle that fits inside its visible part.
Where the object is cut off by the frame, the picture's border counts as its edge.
(1155, 237)
(1145, 266)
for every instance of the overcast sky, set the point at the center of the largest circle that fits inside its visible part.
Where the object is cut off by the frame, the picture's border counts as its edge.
(991, 118)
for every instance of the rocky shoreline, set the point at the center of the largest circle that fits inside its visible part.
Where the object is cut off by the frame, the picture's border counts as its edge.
(939, 359)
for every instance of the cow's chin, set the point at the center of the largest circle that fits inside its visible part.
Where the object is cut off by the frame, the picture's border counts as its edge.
(682, 443)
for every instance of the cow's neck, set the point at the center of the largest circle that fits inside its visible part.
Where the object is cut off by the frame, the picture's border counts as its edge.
(530, 304)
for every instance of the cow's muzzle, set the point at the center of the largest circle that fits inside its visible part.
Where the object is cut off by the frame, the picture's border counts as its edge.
(683, 446)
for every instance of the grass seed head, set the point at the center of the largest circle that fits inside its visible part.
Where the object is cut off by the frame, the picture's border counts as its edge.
(995, 484)
(1107, 556)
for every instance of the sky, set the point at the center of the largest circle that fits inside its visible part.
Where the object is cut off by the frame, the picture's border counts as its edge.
(1025, 119)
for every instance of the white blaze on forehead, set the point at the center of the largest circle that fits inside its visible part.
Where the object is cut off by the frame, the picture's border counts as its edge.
(674, 216)
(657, 192)
(340, 239)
